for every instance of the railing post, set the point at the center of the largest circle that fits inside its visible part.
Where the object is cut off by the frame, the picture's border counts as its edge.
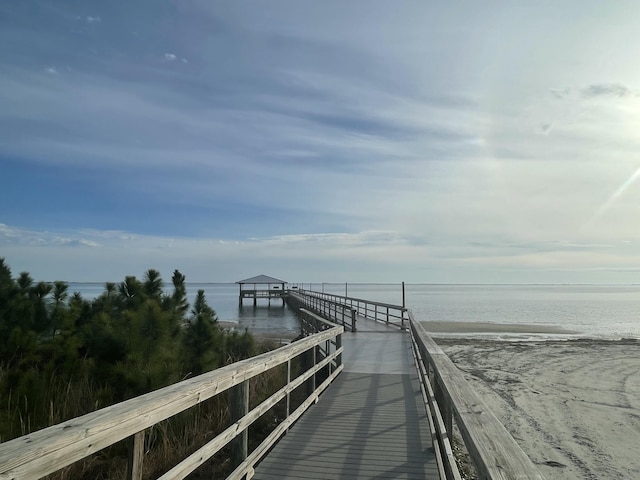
(239, 408)
(448, 418)
(308, 362)
(136, 456)
(314, 355)
(288, 382)
(327, 348)
(353, 319)
(445, 407)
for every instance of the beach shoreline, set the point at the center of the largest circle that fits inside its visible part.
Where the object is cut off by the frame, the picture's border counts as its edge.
(262, 335)
(436, 327)
(573, 405)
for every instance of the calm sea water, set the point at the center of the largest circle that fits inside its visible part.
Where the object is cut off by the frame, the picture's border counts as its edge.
(609, 311)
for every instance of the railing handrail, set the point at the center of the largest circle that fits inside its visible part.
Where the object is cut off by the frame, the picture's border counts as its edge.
(311, 302)
(367, 308)
(494, 452)
(371, 302)
(48, 450)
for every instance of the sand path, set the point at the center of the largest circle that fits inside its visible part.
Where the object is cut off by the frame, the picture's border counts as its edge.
(573, 406)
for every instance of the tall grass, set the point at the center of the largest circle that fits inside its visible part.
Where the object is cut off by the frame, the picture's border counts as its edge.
(52, 399)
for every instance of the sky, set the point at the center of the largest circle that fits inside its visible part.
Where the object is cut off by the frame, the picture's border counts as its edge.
(360, 141)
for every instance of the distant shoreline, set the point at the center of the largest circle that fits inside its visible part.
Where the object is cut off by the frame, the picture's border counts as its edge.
(419, 284)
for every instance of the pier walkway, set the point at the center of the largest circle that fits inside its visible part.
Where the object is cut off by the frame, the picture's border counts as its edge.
(370, 423)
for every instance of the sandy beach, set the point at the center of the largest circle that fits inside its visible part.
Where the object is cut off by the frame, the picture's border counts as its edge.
(573, 405)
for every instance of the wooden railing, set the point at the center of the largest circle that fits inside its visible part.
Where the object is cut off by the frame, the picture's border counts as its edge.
(334, 311)
(378, 311)
(46, 451)
(262, 293)
(493, 451)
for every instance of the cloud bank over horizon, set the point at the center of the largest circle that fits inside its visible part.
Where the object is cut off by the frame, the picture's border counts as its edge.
(321, 141)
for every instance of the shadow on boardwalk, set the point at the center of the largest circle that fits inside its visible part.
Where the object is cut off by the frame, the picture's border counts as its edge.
(370, 423)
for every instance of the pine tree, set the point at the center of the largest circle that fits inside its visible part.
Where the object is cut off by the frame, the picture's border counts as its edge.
(131, 292)
(153, 284)
(202, 337)
(40, 292)
(60, 294)
(8, 299)
(179, 296)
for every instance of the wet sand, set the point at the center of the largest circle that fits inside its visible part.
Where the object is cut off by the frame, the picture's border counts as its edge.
(478, 327)
(263, 336)
(573, 405)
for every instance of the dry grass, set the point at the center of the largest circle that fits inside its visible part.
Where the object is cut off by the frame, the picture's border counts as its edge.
(166, 443)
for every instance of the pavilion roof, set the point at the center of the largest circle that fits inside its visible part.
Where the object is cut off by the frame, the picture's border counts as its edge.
(263, 279)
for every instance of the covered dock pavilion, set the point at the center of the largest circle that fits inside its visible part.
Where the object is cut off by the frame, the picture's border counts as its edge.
(262, 286)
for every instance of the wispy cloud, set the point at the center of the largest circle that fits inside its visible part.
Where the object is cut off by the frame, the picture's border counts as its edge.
(12, 236)
(408, 138)
(367, 256)
(607, 90)
(614, 90)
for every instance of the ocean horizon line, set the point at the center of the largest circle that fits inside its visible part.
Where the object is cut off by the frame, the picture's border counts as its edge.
(556, 284)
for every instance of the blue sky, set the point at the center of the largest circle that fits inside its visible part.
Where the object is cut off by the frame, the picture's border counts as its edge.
(453, 142)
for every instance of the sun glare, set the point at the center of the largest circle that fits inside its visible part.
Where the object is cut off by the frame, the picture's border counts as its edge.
(615, 196)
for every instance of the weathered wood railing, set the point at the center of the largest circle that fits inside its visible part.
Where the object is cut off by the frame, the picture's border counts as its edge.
(332, 310)
(493, 451)
(46, 451)
(262, 293)
(378, 311)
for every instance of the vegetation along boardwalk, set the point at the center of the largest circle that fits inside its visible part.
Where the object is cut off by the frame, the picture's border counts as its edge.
(370, 423)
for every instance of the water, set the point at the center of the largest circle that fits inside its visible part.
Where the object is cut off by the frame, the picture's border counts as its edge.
(274, 320)
(605, 311)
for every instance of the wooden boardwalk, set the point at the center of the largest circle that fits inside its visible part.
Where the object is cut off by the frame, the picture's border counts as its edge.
(370, 423)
